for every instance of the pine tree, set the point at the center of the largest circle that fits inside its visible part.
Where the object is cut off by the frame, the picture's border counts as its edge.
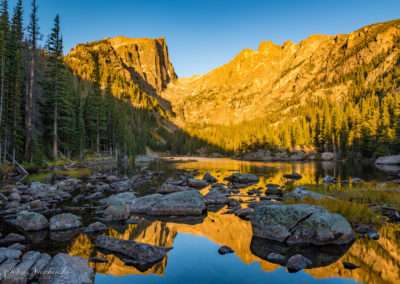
(32, 90)
(54, 81)
(4, 65)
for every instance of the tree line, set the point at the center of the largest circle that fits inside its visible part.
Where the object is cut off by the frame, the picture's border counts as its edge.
(46, 111)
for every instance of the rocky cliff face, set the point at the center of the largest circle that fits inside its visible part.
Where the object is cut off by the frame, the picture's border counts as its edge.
(259, 82)
(130, 65)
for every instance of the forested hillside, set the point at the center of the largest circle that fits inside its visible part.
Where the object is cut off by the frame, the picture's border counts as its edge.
(328, 93)
(47, 110)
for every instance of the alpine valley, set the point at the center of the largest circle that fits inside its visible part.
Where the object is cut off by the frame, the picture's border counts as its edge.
(326, 94)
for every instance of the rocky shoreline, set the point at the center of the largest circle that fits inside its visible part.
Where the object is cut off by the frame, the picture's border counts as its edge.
(34, 207)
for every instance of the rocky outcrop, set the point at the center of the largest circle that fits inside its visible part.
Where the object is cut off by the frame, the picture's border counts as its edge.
(143, 61)
(189, 202)
(300, 224)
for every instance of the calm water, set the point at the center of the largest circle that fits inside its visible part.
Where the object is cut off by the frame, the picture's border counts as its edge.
(195, 259)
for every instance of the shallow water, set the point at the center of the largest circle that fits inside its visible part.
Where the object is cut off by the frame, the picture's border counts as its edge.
(194, 257)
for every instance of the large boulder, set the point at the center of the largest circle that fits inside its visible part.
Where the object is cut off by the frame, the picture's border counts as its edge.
(388, 160)
(69, 269)
(242, 178)
(328, 156)
(141, 255)
(189, 202)
(300, 224)
(64, 221)
(31, 221)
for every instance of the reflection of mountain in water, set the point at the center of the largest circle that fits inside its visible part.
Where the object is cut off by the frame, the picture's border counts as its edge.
(379, 260)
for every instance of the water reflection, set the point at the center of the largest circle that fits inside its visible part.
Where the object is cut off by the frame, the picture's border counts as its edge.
(379, 260)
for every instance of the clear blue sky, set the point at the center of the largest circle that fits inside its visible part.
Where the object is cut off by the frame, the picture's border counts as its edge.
(204, 34)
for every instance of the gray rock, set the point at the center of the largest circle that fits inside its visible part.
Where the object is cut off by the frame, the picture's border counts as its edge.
(73, 269)
(140, 255)
(171, 188)
(388, 160)
(189, 202)
(215, 197)
(11, 253)
(328, 156)
(224, 250)
(17, 246)
(97, 226)
(243, 213)
(197, 183)
(42, 261)
(23, 268)
(120, 197)
(297, 262)
(12, 238)
(209, 178)
(5, 267)
(276, 258)
(292, 176)
(328, 179)
(301, 193)
(64, 221)
(31, 221)
(117, 211)
(300, 224)
(242, 178)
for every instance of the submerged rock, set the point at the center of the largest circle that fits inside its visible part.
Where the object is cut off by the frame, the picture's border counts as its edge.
(64, 221)
(276, 258)
(141, 255)
(349, 265)
(224, 250)
(72, 269)
(297, 262)
(300, 224)
(189, 202)
(12, 238)
(31, 221)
